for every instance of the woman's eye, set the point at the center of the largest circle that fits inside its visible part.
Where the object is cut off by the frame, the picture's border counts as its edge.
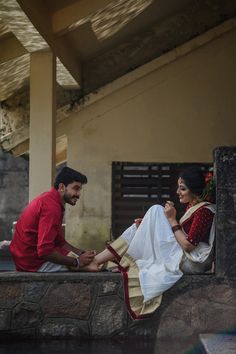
(182, 188)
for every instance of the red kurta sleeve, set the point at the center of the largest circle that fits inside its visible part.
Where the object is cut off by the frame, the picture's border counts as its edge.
(49, 231)
(200, 227)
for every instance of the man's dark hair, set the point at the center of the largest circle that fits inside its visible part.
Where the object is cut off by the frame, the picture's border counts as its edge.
(67, 175)
(194, 179)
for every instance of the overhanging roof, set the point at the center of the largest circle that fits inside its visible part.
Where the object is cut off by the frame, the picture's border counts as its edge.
(95, 41)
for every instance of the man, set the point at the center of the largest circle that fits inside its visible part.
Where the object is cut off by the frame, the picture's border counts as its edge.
(38, 243)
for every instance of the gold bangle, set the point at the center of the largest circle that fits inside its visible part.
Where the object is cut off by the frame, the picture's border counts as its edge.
(176, 227)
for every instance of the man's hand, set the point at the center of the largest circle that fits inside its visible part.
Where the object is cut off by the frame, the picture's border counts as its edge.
(86, 258)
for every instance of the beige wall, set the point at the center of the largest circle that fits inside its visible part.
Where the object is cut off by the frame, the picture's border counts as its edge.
(176, 113)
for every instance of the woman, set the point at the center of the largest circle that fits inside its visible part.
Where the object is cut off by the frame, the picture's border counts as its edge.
(152, 256)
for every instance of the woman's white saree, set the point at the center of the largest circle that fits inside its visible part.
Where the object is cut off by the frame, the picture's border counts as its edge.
(157, 254)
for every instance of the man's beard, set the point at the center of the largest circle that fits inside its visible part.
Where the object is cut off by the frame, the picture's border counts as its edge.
(69, 199)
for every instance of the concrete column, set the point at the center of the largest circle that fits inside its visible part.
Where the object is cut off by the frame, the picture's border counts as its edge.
(42, 122)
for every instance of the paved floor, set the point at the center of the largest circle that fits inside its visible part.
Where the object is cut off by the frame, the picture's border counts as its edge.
(218, 343)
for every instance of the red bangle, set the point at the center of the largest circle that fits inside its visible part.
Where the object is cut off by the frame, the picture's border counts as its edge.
(176, 227)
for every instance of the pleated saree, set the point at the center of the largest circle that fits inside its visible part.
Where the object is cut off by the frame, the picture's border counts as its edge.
(149, 259)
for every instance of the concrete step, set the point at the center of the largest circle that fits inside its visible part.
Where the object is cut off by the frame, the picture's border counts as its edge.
(6, 263)
(218, 343)
(4, 248)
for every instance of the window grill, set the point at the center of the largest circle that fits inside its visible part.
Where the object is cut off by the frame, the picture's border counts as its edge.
(137, 186)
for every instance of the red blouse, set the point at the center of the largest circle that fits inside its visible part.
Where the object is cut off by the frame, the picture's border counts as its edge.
(198, 226)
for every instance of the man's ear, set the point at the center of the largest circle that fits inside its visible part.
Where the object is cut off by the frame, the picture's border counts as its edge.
(61, 187)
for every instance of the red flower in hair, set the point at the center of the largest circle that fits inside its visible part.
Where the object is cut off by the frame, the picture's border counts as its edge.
(208, 177)
(209, 190)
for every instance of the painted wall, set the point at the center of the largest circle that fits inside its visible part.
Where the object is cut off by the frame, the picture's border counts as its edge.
(178, 112)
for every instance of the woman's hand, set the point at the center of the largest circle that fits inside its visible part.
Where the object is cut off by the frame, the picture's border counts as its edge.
(138, 222)
(170, 212)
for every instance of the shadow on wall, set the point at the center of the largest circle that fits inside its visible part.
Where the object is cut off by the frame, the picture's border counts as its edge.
(14, 190)
(14, 187)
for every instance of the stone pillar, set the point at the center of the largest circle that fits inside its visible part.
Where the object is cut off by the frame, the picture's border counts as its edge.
(225, 164)
(42, 122)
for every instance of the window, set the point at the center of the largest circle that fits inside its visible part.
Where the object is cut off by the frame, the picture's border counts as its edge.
(137, 186)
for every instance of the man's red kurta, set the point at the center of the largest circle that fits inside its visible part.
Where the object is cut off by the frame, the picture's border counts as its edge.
(38, 232)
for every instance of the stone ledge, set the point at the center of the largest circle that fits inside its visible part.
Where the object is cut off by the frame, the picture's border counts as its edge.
(80, 305)
(65, 276)
(7, 276)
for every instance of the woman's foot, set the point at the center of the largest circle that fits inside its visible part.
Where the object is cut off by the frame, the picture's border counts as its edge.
(91, 267)
(115, 270)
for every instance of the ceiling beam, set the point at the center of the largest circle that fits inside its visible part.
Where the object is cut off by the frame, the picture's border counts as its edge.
(15, 138)
(18, 23)
(23, 149)
(37, 12)
(65, 19)
(69, 58)
(11, 48)
(3, 27)
(61, 149)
